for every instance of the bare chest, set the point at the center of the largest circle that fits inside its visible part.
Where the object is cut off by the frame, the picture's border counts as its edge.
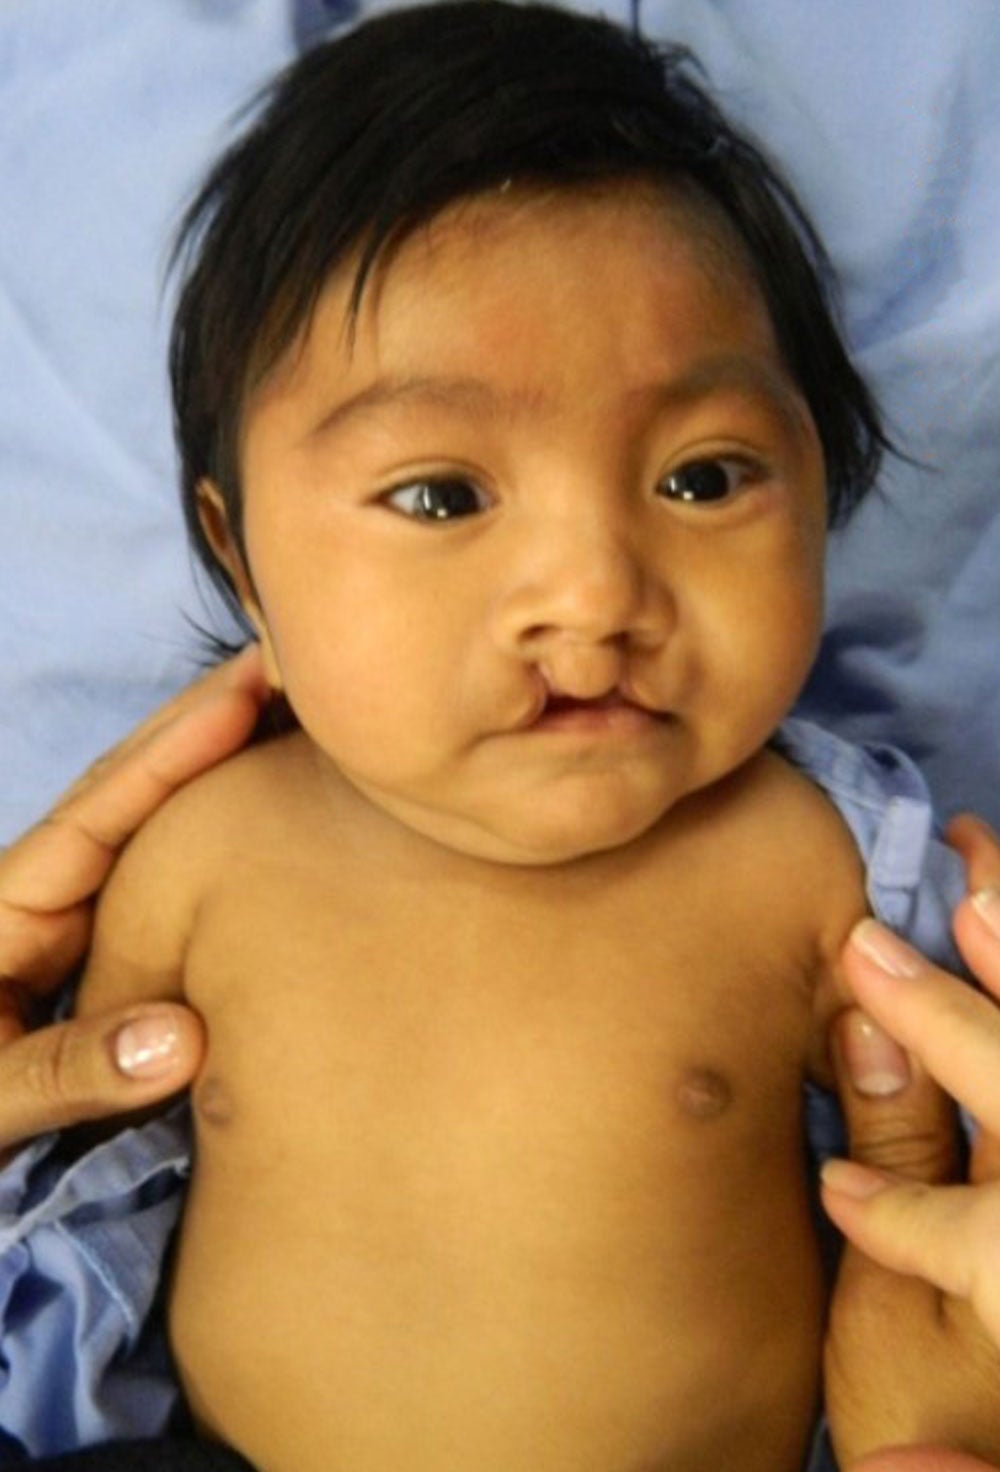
(498, 1007)
(504, 1139)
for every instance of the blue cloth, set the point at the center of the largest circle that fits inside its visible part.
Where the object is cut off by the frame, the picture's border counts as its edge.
(83, 1356)
(81, 1347)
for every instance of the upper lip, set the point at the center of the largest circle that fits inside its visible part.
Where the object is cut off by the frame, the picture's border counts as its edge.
(551, 701)
(557, 700)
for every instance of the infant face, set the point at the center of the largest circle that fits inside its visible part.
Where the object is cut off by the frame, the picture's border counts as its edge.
(536, 549)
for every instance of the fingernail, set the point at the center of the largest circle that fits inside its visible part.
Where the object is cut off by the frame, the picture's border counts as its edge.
(890, 954)
(848, 1178)
(147, 1047)
(987, 903)
(876, 1064)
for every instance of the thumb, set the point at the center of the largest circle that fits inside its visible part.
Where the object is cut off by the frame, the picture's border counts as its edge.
(903, 1139)
(93, 1067)
(897, 1117)
(916, 1230)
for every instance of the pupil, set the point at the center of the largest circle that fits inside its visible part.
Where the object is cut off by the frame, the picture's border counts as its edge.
(706, 481)
(442, 499)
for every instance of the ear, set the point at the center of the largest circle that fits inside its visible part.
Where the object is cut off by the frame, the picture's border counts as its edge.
(215, 525)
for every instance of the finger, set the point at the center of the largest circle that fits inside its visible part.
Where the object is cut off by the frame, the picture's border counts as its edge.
(898, 1121)
(241, 676)
(65, 858)
(920, 1459)
(977, 931)
(952, 1029)
(199, 727)
(38, 951)
(940, 1234)
(95, 1067)
(979, 846)
(977, 919)
(897, 1118)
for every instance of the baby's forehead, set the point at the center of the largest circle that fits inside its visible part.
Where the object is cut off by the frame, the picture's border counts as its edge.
(521, 299)
(424, 251)
(680, 210)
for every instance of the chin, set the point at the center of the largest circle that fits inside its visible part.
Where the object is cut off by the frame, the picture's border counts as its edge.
(538, 826)
(561, 838)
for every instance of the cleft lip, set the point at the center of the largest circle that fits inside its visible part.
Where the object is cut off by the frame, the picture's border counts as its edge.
(556, 703)
(558, 708)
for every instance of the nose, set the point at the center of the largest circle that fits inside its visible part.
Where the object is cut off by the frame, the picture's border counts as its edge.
(582, 596)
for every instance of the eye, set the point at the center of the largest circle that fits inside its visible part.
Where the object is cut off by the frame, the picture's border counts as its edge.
(437, 500)
(701, 481)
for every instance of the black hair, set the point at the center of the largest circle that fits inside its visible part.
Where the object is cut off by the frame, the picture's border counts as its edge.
(372, 134)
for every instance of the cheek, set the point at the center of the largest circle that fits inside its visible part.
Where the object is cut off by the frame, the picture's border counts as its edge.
(362, 650)
(332, 652)
(790, 624)
(309, 613)
(764, 619)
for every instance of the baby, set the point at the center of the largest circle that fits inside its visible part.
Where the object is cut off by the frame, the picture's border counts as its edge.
(513, 415)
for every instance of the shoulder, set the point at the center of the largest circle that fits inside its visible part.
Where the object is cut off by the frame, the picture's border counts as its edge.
(773, 816)
(225, 807)
(789, 852)
(199, 839)
(195, 838)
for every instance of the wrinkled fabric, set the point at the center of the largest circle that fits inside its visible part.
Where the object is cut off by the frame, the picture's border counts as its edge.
(83, 1354)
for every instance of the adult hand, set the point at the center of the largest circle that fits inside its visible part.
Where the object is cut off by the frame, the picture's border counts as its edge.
(94, 1067)
(912, 1355)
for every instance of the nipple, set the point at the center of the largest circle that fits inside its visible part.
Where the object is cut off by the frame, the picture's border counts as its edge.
(703, 1093)
(213, 1101)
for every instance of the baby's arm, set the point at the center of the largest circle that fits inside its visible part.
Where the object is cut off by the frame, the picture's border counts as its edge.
(86, 1219)
(144, 919)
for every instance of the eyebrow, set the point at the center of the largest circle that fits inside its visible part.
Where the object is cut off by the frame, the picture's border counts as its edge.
(467, 394)
(749, 377)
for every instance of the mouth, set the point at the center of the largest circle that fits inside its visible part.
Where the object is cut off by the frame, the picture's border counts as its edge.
(609, 714)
